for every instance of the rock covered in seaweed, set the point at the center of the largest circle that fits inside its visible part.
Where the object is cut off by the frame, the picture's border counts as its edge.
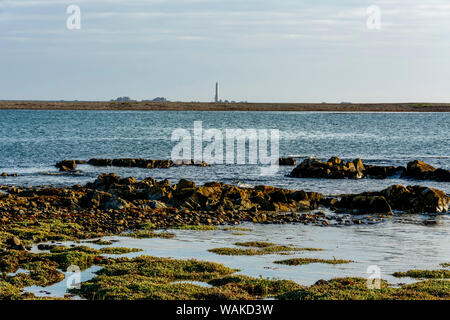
(290, 161)
(336, 168)
(144, 163)
(412, 199)
(423, 171)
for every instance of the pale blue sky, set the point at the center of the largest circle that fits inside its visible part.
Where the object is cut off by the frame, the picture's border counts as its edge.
(259, 50)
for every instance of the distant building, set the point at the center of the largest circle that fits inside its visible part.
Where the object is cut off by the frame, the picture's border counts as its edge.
(217, 97)
(123, 99)
(157, 99)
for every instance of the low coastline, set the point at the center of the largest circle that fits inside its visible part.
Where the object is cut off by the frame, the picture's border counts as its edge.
(205, 106)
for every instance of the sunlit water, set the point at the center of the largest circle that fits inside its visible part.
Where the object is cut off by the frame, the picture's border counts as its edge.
(31, 142)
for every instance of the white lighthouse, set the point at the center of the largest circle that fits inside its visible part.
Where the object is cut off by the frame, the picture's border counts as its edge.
(217, 98)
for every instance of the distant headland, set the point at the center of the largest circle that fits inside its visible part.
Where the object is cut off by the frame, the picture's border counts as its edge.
(223, 106)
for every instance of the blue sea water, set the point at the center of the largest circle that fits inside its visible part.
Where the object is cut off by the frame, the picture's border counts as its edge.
(31, 142)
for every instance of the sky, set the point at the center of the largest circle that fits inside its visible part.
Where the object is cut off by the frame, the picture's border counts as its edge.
(259, 50)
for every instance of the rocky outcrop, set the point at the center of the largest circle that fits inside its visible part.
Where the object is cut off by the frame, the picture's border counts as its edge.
(212, 196)
(365, 204)
(220, 197)
(68, 165)
(14, 243)
(412, 199)
(336, 168)
(4, 175)
(381, 172)
(423, 171)
(287, 161)
(417, 199)
(143, 163)
(112, 204)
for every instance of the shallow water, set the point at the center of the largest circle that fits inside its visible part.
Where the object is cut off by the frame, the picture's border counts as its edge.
(59, 290)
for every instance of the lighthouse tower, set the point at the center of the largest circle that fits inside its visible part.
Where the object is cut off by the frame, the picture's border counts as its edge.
(217, 98)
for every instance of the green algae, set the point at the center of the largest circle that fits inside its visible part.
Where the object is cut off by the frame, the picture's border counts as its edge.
(137, 287)
(147, 277)
(303, 261)
(166, 268)
(100, 242)
(9, 291)
(357, 289)
(147, 234)
(255, 244)
(424, 274)
(152, 278)
(41, 273)
(262, 248)
(256, 287)
(118, 250)
(237, 229)
(65, 259)
(47, 230)
(200, 227)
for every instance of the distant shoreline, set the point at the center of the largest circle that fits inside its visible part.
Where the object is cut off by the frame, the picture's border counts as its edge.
(204, 106)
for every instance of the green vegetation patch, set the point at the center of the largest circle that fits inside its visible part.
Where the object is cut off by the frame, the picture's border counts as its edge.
(147, 234)
(357, 289)
(137, 287)
(256, 287)
(148, 226)
(100, 242)
(255, 244)
(262, 248)
(47, 230)
(197, 227)
(166, 268)
(237, 229)
(119, 250)
(8, 291)
(11, 260)
(303, 261)
(424, 274)
(68, 258)
(152, 278)
(41, 273)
